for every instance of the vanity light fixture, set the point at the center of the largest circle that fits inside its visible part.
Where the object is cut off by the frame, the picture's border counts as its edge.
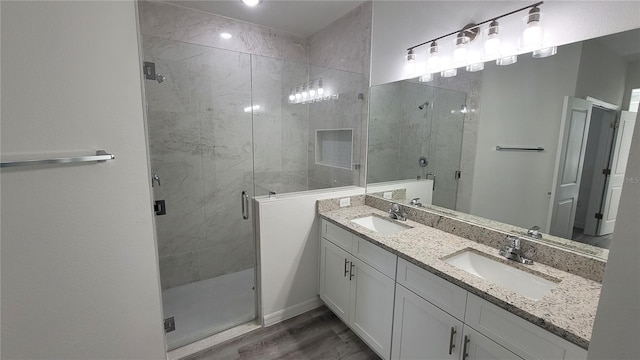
(471, 57)
(543, 53)
(251, 3)
(532, 34)
(432, 59)
(410, 63)
(460, 52)
(320, 89)
(426, 77)
(449, 72)
(492, 44)
(309, 92)
(507, 60)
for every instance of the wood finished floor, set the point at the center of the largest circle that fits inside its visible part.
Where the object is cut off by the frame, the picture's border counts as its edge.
(317, 335)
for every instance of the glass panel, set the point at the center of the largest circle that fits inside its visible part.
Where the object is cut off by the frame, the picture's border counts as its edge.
(288, 155)
(200, 141)
(415, 133)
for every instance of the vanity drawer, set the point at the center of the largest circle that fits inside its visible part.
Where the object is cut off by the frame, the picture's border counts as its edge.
(375, 256)
(516, 334)
(441, 293)
(337, 235)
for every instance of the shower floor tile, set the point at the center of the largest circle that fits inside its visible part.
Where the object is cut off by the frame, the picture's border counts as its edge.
(206, 307)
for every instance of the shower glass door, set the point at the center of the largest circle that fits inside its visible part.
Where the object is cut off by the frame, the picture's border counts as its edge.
(200, 140)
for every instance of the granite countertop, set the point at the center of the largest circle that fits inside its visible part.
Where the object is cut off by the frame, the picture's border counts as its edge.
(568, 310)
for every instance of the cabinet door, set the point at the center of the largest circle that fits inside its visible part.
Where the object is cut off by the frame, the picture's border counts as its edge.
(423, 331)
(334, 278)
(479, 347)
(371, 312)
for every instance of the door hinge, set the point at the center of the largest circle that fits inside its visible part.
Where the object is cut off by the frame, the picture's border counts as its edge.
(615, 124)
(606, 171)
(599, 216)
(169, 324)
(458, 174)
(159, 207)
(149, 70)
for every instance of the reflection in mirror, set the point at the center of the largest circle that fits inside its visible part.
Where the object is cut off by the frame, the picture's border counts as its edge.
(540, 143)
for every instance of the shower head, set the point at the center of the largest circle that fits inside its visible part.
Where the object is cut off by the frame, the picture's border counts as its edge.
(421, 107)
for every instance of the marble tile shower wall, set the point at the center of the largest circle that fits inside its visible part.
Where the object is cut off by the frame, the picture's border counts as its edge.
(395, 145)
(202, 169)
(340, 55)
(200, 137)
(384, 135)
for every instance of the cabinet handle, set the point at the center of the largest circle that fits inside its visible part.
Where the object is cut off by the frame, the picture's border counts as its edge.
(464, 348)
(451, 340)
(346, 269)
(351, 271)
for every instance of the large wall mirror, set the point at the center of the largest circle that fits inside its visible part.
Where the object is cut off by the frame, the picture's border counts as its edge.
(539, 144)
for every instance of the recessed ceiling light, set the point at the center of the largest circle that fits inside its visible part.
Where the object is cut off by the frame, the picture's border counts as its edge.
(225, 35)
(251, 3)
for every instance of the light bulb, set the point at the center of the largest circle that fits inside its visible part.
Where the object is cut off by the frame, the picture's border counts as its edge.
(433, 60)
(532, 34)
(449, 73)
(292, 97)
(492, 44)
(251, 3)
(226, 35)
(460, 52)
(542, 53)
(410, 64)
(320, 89)
(507, 60)
(298, 94)
(426, 78)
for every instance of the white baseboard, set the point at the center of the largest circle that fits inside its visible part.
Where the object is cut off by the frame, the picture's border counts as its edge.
(291, 311)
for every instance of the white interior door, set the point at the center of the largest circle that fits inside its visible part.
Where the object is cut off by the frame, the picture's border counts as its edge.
(619, 159)
(572, 143)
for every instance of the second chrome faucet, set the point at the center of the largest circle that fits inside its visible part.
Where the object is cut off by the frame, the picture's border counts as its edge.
(396, 213)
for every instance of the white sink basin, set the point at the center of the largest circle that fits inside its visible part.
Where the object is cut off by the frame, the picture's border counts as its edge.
(380, 225)
(524, 283)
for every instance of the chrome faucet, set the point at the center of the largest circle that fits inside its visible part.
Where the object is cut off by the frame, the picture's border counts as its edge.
(534, 232)
(513, 251)
(396, 213)
(415, 202)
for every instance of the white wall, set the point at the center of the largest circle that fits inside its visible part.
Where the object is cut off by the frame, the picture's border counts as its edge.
(398, 25)
(422, 189)
(602, 73)
(617, 326)
(632, 82)
(288, 234)
(79, 264)
(521, 105)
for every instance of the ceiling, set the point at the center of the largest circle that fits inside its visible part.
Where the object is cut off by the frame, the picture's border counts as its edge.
(301, 17)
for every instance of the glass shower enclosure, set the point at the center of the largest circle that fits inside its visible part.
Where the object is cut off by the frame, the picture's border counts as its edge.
(199, 116)
(221, 132)
(415, 133)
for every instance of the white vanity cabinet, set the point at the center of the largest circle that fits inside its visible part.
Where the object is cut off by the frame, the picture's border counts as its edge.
(355, 287)
(479, 347)
(378, 294)
(423, 331)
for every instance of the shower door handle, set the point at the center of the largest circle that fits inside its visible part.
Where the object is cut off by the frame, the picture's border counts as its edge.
(245, 205)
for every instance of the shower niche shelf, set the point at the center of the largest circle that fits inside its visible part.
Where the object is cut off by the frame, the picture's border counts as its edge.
(334, 148)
